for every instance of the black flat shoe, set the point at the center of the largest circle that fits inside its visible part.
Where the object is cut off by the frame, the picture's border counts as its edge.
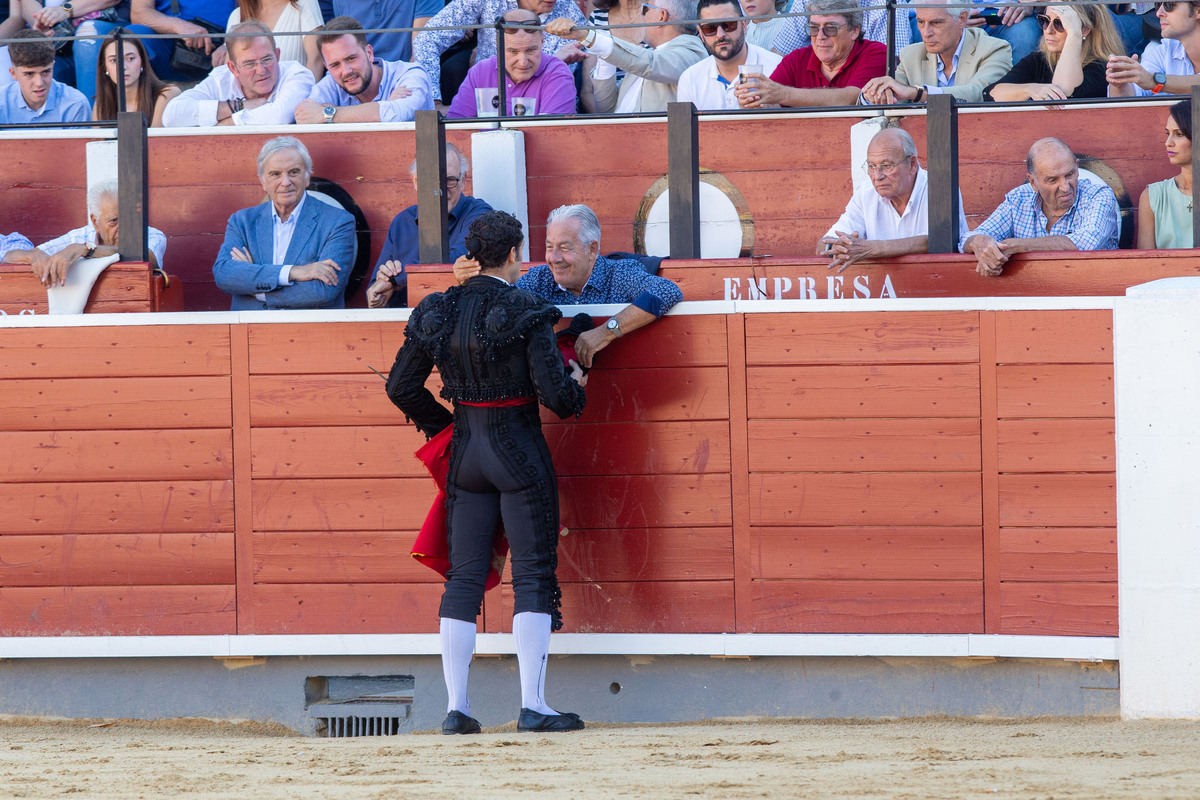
(533, 721)
(458, 722)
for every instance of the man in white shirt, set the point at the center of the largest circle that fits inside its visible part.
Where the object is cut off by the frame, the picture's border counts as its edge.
(1166, 67)
(254, 88)
(651, 75)
(890, 216)
(359, 87)
(99, 238)
(709, 84)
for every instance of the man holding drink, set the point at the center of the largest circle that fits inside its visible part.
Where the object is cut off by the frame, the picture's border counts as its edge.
(710, 84)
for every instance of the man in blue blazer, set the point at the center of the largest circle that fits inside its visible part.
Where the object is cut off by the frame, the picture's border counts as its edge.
(291, 252)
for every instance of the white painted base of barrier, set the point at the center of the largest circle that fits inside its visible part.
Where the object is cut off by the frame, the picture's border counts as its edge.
(1156, 331)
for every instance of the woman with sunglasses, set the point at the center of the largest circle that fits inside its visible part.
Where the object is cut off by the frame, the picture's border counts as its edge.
(1165, 208)
(144, 91)
(1076, 43)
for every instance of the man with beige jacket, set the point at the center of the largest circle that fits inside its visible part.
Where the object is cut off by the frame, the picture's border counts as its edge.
(651, 74)
(952, 59)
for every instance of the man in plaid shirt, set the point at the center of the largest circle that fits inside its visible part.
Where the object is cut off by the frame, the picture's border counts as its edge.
(1053, 211)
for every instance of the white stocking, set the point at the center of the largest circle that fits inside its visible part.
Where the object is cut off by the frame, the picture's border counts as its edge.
(532, 633)
(458, 645)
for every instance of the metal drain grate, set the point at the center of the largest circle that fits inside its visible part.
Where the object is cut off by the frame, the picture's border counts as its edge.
(359, 705)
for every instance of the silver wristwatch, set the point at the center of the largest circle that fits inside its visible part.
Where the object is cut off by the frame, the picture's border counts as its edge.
(614, 326)
(329, 111)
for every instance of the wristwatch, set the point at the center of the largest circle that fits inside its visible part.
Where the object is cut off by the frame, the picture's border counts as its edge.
(70, 11)
(1160, 80)
(329, 111)
(614, 326)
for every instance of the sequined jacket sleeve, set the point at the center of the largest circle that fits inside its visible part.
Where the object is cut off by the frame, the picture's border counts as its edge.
(552, 381)
(406, 388)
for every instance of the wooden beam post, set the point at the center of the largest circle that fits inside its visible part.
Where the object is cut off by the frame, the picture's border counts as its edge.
(941, 153)
(683, 179)
(132, 185)
(431, 188)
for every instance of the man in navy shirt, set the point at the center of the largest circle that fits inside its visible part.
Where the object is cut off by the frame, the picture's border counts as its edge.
(576, 274)
(403, 242)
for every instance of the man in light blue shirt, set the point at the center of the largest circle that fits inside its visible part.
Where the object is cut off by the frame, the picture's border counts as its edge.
(34, 95)
(359, 87)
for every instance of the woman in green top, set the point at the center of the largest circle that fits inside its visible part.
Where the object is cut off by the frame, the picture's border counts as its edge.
(1165, 208)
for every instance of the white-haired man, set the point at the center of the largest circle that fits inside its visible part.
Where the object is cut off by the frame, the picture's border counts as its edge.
(951, 58)
(389, 285)
(651, 75)
(254, 87)
(100, 237)
(889, 216)
(576, 274)
(293, 251)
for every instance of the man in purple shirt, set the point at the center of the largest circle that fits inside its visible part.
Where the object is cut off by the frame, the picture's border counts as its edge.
(529, 73)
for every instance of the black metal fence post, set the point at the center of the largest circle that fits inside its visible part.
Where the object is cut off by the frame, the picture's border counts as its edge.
(121, 69)
(683, 179)
(133, 185)
(501, 83)
(891, 38)
(431, 188)
(941, 153)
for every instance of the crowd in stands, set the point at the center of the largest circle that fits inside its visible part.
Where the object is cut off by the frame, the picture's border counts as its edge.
(279, 61)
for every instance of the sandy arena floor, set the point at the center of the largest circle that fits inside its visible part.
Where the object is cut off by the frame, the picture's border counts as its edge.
(941, 758)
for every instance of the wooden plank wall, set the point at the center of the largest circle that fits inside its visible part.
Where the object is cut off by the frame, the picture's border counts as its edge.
(116, 510)
(875, 472)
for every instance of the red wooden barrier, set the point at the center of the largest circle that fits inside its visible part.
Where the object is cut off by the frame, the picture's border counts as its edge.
(887, 472)
(124, 287)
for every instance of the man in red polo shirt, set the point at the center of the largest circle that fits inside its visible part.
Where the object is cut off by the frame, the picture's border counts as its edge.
(830, 72)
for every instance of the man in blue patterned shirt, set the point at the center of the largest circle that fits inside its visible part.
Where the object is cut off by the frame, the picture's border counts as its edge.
(576, 274)
(1055, 210)
(429, 44)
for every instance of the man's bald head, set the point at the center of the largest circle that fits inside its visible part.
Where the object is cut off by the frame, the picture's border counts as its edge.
(1047, 148)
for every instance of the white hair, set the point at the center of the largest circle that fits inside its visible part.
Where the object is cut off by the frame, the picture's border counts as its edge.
(589, 226)
(907, 145)
(97, 192)
(463, 162)
(280, 143)
(681, 11)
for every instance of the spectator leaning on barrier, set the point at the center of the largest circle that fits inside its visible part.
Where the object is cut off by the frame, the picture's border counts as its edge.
(830, 72)
(1055, 210)
(796, 32)
(253, 88)
(529, 74)
(100, 237)
(651, 75)
(710, 84)
(13, 242)
(889, 216)
(403, 248)
(576, 274)
(34, 95)
(293, 251)
(950, 58)
(360, 87)
(1167, 66)
(430, 44)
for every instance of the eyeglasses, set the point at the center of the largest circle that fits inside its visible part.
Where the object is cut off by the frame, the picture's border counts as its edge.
(647, 6)
(1047, 23)
(828, 29)
(250, 66)
(710, 28)
(452, 181)
(886, 168)
(1167, 7)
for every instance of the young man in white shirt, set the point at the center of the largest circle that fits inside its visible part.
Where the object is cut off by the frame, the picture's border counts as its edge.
(709, 84)
(1166, 67)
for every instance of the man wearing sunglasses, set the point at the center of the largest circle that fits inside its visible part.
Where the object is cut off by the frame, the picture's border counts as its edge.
(710, 84)
(651, 75)
(830, 72)
(1166, 67)
(950, 58)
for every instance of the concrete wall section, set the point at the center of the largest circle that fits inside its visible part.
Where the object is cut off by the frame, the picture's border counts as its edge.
(1157, 338)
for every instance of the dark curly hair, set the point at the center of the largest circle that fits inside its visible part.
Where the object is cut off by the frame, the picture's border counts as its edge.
(1181, 112)
(492, 237)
